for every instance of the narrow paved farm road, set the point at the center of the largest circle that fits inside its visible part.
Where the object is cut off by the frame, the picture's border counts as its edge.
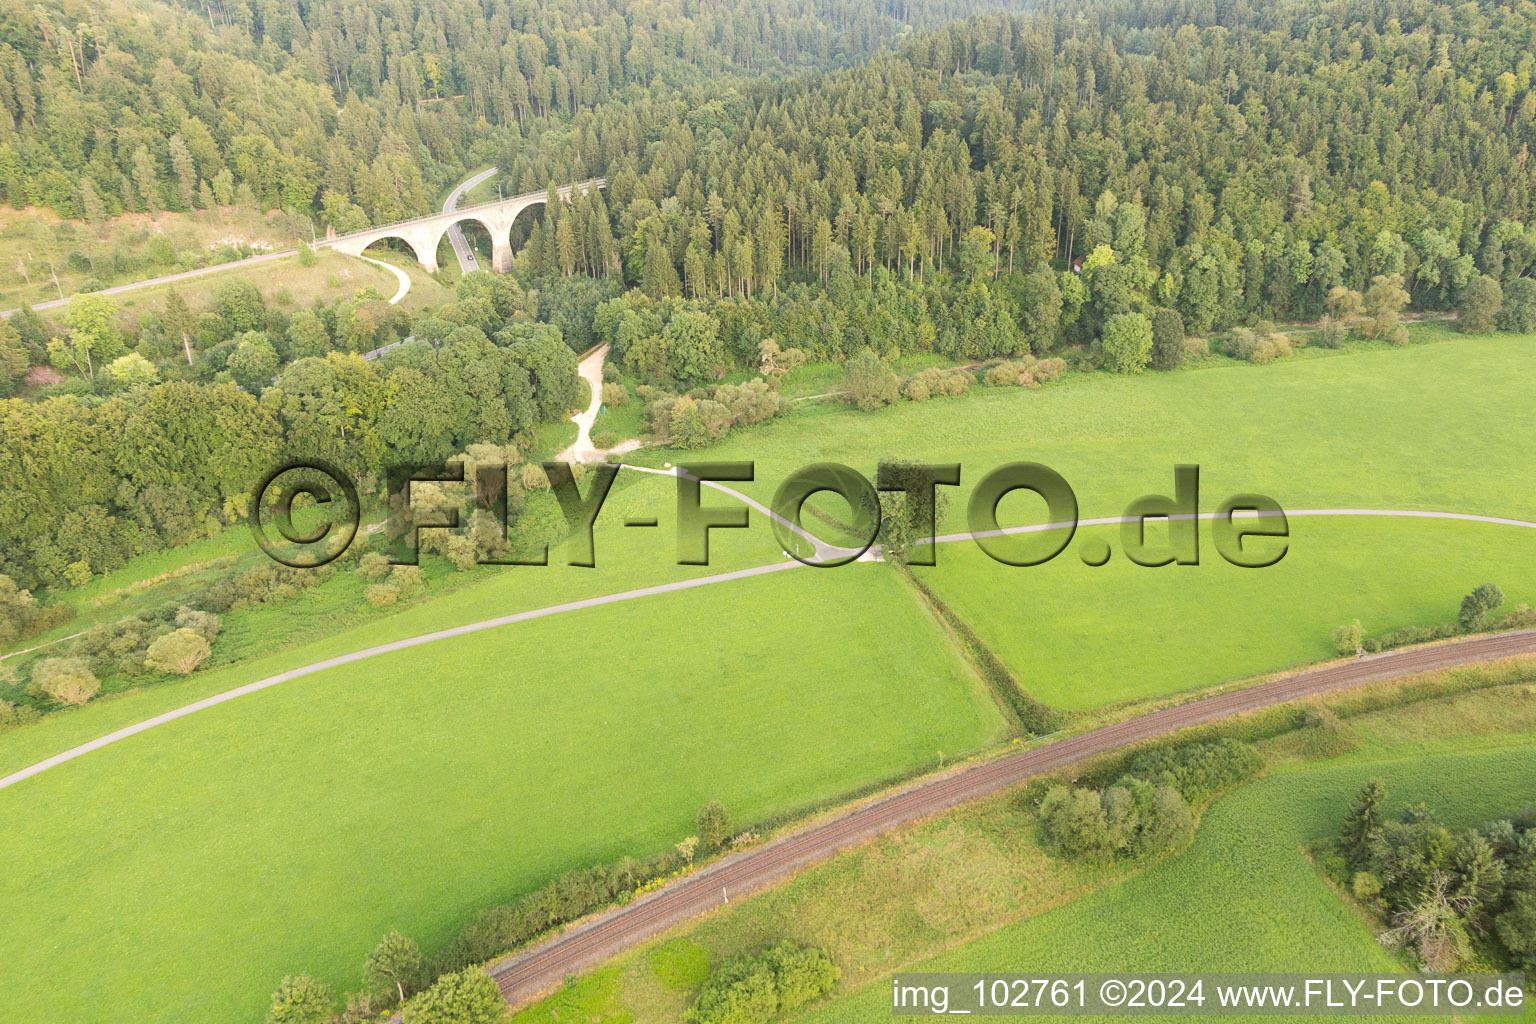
(523, 977)
(824, 552)
(400, 276)
(591, 370)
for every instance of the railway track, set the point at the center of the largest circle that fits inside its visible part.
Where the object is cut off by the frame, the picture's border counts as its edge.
(531, 973)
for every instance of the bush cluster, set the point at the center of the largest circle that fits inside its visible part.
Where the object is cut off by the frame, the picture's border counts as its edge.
(1199, 771)
(1026, 371)
(263, 585)
(1438, 885)
(404, 581)
(22, 617)
(1134, 817)
(703, 415)
(1260, 345)
(756, 989)
(1148, 811)
(934, 383)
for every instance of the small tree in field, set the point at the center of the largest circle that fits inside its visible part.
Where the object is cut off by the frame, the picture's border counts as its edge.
(301, 1000)
(1384, 300)
(394, 963)
(1347, 639)
(870, 383)
(178, 653)
(1481, 301)
(66, 680)
(1127, 342)
(1362, 819)
(714, 825)
(468, 997)
(1476, 606)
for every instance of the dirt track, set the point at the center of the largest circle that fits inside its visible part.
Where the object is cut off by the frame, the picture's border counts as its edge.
(527, 975)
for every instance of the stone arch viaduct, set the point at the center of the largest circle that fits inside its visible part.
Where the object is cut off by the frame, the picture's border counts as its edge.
(424, 233)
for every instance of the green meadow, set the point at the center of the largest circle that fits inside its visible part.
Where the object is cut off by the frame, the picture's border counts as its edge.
(973, 889)
(421, 794)
(1079, 637)
(1244, 897)
(408, 790)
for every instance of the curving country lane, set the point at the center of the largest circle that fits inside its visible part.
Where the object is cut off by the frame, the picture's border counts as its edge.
(823, 552)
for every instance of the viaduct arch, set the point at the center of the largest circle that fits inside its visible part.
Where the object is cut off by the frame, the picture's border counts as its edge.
(424, 233)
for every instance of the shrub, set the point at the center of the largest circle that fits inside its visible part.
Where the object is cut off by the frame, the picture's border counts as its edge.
(1126, 342)
(301, 999)
(1481, 301)
(714, 825)
(380, 594)
(1519, 310)
(615, 394)
(67, 680)
(1200, 771)
(1333, 334)
(869, 382)
(466, 997)
(405, 581)
(1047, 370)
(752, 990)
(1196, 348)
(1254, 347)
(933, 382)
(178, 653)
(1347, 639)
(21, 616)
(205, 624)
(750, 403)
(534, 478)
(373, 566)
(1077, 826)
(1365, 885)
(1010, 373)
(1476, 606)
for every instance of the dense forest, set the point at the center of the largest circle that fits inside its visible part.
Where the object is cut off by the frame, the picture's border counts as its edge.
(356, 113)
(1086, 179)
(930, 198)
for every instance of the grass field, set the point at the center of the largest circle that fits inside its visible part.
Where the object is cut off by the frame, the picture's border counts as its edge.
(1244, 897)
(1435, 426)
(154, 246)
(1159, 631)
(423, 804)
(975, 884)
(347, 767)
(334, 276)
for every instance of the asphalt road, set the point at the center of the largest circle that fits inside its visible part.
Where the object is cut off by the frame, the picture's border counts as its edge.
(461, 249)
(523, 977)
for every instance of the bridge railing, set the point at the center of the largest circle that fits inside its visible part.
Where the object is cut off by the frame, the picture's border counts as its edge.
(563, 191)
